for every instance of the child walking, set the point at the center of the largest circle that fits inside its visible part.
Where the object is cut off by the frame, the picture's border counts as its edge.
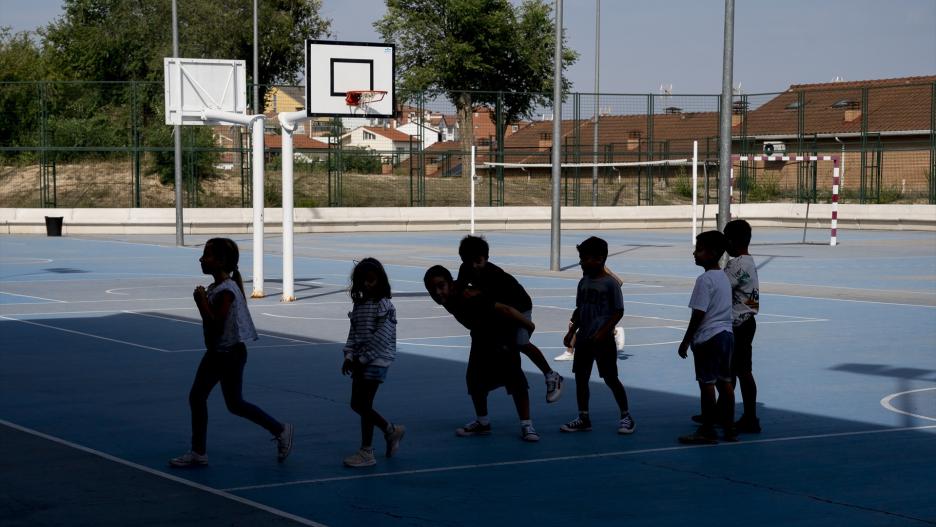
(478, 271)
(710, 336)
(569, 352)
(494, 357)
(745, 303)
(227, 326)
(599, 305)
(368, 354)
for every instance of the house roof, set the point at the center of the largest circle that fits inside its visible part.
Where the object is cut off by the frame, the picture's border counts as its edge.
(390, 133)
(901, 104)
(443, 146)
(275, 141)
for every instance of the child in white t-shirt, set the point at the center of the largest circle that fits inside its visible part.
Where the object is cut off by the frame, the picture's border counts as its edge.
(709, 334)
(745, 291)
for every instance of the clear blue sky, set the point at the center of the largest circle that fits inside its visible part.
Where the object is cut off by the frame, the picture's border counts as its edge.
(679, 42)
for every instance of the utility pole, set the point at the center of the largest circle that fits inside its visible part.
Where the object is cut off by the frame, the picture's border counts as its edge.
(724, 150)
(177, 132)
(554, 223)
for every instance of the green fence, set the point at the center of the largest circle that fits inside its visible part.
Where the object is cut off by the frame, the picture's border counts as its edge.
(105, 144)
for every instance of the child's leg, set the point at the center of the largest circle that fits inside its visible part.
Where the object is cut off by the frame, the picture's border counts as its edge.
(207, 376)
(748, 394)
(522, 402)
(709, 405)
(582, 393)
(362, 402)
(726, 402)
(479, 400)
(535, 355)
(620, 394)
(232, 380)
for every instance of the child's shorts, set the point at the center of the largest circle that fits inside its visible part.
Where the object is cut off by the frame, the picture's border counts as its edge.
(741, 358)
(367, 372)
(491, 366)
(603, 353)
(712, 358)
(523, 336)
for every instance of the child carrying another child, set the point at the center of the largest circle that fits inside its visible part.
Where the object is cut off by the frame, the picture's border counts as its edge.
(477, 271)
(368, 354)
(710, 337)
(494, 357)
(599, 305)
(226, 325)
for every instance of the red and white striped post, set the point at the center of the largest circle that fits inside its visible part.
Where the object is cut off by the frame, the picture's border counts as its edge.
(835, 198)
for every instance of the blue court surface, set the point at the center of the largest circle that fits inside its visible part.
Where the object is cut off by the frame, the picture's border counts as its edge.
(99, 341)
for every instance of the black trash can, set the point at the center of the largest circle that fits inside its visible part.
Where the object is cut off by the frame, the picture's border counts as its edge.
(53, 225)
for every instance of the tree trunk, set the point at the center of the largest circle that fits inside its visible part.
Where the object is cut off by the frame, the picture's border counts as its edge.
(465, 118)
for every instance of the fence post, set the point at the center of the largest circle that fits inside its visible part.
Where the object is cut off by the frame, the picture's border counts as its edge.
(932, 157)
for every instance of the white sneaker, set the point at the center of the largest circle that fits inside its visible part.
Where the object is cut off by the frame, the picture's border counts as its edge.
(553, 386)
(565, 355)
(619, 338)
(362, 458)
(528, 433)
(189, 459)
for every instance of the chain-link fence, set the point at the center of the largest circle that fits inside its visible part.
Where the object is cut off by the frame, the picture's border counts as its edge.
(105, 144)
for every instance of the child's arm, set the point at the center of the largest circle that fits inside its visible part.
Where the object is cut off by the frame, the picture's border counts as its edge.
(613, 276)
(608, 327)
(694, 321)
(508, 313)
(348, 350)
(384, 321)
(573, 327)
(213, 315)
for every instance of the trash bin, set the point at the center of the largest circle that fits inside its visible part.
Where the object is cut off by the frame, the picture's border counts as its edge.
(53, 225)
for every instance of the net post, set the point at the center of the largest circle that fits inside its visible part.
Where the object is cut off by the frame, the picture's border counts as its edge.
(695, 184)
(833, 240)
(287, 122)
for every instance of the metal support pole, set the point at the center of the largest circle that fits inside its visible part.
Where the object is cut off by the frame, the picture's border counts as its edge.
(472, 190)
(258, 108)
(554, 223)
(724, 150)
(288, 122)
(695, 193)
(177, 132)
(257, 129)
(597, 106)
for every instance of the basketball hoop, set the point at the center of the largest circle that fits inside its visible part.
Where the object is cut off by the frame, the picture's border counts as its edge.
(361, 99)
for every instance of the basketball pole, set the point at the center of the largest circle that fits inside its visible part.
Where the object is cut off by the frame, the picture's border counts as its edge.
(597, 103)
(288, 122)
(695, 193)
(473, 176)
(177, 132)
(554, 222)
(724, 150)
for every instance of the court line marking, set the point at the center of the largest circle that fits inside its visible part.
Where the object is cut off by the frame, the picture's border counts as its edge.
(30, 322)
(851, 300)
(192, 322)
(572, 458)
(886, 403)
(36, 297)
(164, 475)
(5, 260)
(263, 346)
(343, 318)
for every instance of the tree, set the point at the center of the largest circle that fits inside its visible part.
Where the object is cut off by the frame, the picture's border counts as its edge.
(467, 50)
(20, 60)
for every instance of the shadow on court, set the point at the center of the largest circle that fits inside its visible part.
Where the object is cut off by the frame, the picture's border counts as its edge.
(118, 384)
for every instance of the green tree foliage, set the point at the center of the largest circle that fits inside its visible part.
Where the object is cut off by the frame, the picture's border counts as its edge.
(20, 62)
(468, 49)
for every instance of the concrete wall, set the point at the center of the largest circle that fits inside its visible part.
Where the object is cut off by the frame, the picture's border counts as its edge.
(233, 220)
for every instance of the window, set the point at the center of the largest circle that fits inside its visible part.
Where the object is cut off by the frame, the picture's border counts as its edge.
(514, 127)
(369, 136)
(793, 105)
(846, 104)
(545, 136)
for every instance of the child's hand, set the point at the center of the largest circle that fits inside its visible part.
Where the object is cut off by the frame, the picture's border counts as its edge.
(530, 326)
(200, 295)
(347, 366)
(567, 340)
(683, 349)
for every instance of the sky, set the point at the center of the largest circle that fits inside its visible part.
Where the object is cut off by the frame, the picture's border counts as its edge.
(646, 44)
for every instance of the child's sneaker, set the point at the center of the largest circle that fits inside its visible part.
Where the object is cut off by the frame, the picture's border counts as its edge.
(393, 438)
(729, 434)
(565, 355)
(553, 386)
(528, 433)
(474, 428)
(627, 425)
(704, 435)
(189, 459)
(284, 442)
(747, 425)
(579, 424)
(619, 338)
(362, 458)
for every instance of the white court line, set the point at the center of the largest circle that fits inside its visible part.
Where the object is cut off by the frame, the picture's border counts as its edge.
(36, 297)
(192, 322)
(5, 260)
(855, 301)
(886, 403)
(264, 346)
(85, 334)
(739, 444)
(161, 474)
(344, 318)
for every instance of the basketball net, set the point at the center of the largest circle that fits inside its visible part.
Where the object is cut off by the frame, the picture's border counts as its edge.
(360, 100)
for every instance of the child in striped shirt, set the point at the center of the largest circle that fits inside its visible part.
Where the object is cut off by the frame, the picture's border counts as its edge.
(370, 350)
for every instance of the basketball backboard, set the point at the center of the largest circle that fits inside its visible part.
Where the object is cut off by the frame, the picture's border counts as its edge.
(333, 68)
(194, 85)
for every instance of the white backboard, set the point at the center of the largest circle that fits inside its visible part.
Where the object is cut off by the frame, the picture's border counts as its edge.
(333, 68)
(193, 85)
